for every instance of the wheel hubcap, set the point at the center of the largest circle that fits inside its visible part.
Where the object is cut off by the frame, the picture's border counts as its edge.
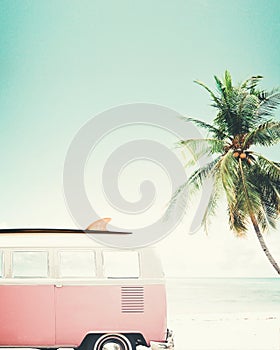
(112, 346)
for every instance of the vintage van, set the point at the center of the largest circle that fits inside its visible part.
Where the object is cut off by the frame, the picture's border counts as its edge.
(59, 288)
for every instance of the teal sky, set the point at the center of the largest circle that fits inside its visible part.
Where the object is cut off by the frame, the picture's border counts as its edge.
(64, 61)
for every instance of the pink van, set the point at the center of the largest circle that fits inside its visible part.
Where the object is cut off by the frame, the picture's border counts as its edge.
(59, 289)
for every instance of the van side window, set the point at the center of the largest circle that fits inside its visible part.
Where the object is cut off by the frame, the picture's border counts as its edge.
(30, 264)
(1, 264)
(121, 264)
(77, 264)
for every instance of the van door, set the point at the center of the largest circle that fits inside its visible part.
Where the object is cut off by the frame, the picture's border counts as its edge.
(27, 316)
(77, 298)
(89, 299)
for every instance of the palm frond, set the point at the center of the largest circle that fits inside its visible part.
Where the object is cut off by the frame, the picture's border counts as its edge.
(237, 208)
(261, 201)
(229, 175)
(241, 193)
(269, 102)
(180, 191)
(238, 113)
(247, 113)
(272, 169)
(200, 175)
(210, 128)
(214, 97)
(224, 88)
(203, 147)
(238, 220)
(251, 83)
(266, 178)
(220, 86)
(228, 82)
(193, 184)
(213, 200)
(266, 134)
(270, 212)
(264, 94)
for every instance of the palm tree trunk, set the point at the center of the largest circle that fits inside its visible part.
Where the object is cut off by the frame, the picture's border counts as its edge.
(262, 243)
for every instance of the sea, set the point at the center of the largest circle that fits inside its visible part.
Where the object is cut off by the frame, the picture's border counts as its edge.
(223, 295)
(224, 313)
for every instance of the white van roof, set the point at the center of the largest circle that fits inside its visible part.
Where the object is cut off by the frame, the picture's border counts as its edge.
(60, 238)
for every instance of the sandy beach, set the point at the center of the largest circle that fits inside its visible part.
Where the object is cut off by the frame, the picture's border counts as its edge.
(224, 314)
(227, 332)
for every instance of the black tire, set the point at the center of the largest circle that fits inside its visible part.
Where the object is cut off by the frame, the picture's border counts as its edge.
(120, 341)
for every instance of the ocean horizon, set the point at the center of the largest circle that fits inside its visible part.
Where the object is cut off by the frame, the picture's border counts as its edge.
(223, 295)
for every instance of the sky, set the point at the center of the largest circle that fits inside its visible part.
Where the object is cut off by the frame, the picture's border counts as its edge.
(62, 63)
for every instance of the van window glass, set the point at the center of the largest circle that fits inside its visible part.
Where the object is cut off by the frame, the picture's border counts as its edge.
(77, 264)
(121, 264)
(1, 264)
(30, 264)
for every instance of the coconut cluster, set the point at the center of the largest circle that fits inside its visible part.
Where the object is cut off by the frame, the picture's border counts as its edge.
(243, 156)
(240, 154)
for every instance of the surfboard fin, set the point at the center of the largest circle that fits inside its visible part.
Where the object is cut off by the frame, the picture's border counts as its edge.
(99, 225)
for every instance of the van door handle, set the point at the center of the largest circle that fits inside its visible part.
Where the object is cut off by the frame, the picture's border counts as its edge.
(58, 285)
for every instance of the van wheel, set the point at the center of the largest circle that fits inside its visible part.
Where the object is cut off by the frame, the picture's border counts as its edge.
(112, 342)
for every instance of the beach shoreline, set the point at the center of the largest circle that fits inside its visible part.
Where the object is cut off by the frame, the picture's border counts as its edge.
(224, 314)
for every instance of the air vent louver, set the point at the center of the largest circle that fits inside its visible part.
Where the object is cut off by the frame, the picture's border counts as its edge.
(132, 299)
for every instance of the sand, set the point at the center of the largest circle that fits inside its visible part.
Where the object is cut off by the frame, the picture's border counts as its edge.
(226, 331)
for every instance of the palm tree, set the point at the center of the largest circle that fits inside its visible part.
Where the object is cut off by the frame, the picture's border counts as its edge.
(248, 179)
